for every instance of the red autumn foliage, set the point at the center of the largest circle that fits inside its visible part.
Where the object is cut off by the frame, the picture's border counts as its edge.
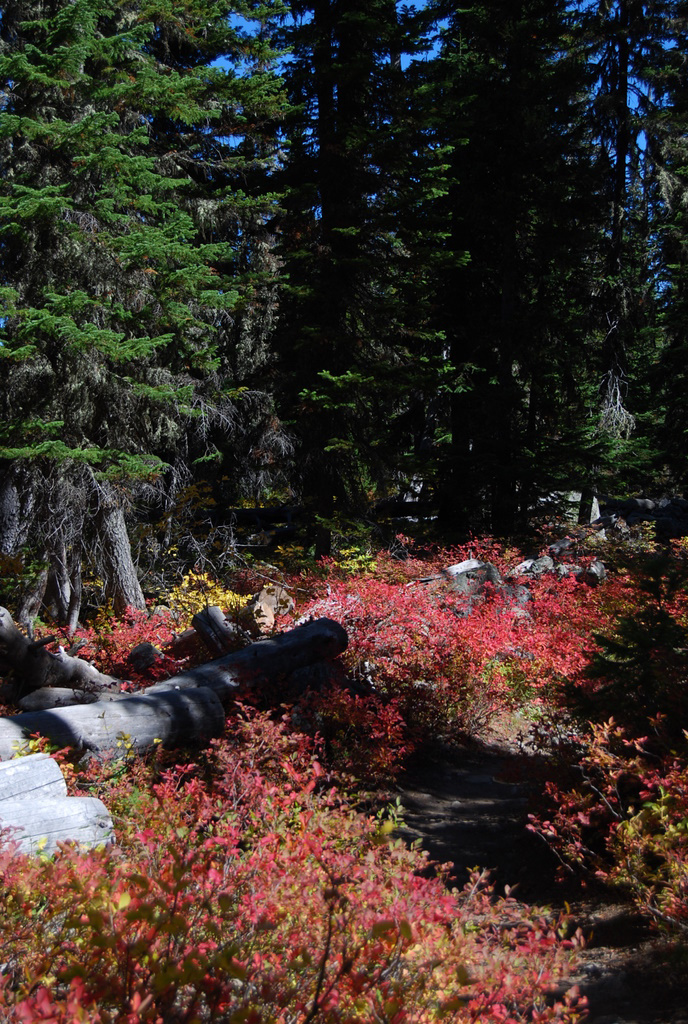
(449, 666)
(240, 889)
(243, 885)
(617, 802)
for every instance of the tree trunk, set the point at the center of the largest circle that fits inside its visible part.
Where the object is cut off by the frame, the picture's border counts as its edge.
(10, 516)
(121, 582)
(218, 634)
(31, 601)
(63, 590)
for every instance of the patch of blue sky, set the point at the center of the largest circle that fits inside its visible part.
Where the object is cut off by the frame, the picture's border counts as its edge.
(246, 66)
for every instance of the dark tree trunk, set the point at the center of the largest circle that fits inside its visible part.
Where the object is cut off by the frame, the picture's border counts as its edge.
(63, 590)
(31, 601)
(10, 516)
(121, 582)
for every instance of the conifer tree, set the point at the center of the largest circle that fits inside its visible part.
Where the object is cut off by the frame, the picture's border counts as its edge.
(627, 43)
(360, 179)
(522, 203)
(670, 379)
(128, 191)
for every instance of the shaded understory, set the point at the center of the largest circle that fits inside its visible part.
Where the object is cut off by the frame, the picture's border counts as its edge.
(469, 807)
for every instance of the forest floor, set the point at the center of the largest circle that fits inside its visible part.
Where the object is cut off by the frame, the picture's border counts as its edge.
(469, 807)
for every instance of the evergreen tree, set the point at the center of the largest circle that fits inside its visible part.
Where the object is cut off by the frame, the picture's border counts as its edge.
(356, 347)
(626, 44)
(671, 377)
(523, 204)
(127, 195)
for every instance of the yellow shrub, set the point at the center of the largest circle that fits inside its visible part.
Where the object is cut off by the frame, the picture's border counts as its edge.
(197, 591)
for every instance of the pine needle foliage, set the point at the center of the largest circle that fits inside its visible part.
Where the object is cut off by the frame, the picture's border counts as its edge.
(132, 136)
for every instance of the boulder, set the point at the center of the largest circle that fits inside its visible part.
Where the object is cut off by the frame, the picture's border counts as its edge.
(540, 565)
(560, 546)
(594, 574)
(472, 581)
(144, 656)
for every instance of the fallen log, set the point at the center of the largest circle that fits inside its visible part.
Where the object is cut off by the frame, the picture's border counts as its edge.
(37, 814)
(188, 709)
(120, 727)
(56, 697)
(33, 666)
(217, 631)
(263, 663)
(221, 633)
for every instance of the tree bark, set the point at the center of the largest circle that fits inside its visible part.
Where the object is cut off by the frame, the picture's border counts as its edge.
(62, 596)
(10, 516)
(121, 582)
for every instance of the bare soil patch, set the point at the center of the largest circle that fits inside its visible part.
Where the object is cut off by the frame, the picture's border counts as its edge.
(469, 807)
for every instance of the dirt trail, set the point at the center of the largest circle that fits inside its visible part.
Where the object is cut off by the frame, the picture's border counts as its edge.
(471, 809)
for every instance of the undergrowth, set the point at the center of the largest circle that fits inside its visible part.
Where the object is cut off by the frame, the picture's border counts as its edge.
(244, 885)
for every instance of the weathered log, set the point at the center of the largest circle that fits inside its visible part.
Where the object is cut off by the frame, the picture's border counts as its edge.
(218, 633)
(34, 667)
(186, 709)
(36, 812)
(268, 661)
(173, 718)
(36, 776)
(56, 697)
(38, 827)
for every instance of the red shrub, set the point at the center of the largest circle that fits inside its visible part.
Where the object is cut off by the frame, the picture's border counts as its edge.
(252, 897)
(451, 664)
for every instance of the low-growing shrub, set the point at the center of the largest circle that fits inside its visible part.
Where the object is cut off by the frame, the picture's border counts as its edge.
(450, 663)
(242, 889)
(617, 803)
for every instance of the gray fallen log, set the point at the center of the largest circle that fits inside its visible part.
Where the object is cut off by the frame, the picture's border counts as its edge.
(268, 661)
(117, 727)
(39, 827)
(55, 697)
(187, 709)
(451, 571)
(37, 814)
(217, 631)
(36, 776)
(33, 666)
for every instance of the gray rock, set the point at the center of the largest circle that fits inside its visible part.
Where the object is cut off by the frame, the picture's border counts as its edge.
(594, 574)
(560, 546)
(143, 656)
(567, 569)
(542, 564)
(473, 581)
(522, 567)
(638, 504)
(517, 594)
